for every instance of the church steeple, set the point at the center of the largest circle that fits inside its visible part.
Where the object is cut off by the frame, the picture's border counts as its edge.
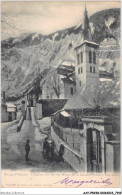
(87, 60)
(86, 35)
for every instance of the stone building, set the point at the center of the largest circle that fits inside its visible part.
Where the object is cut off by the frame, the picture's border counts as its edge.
(84, 72)
(87, 146)
(8, 110)
(91, 139)
(60, 80)
(87, 61)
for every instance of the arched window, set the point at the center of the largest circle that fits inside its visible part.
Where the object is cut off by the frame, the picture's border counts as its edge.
(81, 57)
(71, 90)
(94, 57)
(78, 58)
(94, 69)
(90, 68)
(90, 57)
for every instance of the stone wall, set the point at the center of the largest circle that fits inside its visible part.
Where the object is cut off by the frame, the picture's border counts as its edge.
(39, 111)
(4, 115)
(73, 157)
(112, 157)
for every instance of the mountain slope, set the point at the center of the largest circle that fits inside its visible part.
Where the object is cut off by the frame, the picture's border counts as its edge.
(26, 56)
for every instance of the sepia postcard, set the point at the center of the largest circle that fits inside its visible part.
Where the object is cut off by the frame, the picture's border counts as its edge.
(60, 96)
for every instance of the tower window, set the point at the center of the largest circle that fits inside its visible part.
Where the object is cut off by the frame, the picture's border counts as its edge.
(78, 58)
(78, 70)
(81, 70)
(94, 69)
(81, 57)
(90, 68)
(80, 83)
(94, 57)
(90, 57)
(71, 90)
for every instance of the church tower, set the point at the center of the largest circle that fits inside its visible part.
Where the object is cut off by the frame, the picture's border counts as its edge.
(87, 62)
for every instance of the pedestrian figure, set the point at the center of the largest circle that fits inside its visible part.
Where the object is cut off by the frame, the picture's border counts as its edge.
(45, 146)
(27, 149)
(61, 152)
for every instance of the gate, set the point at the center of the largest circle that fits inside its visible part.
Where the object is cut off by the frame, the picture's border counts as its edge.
(93, 150)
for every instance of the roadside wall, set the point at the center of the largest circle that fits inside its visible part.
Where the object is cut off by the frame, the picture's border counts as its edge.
(74, 145)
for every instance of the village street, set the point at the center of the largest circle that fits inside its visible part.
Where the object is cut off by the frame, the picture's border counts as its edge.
(13, 147)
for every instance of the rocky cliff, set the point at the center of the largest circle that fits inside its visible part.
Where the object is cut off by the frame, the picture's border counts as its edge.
(24, 58)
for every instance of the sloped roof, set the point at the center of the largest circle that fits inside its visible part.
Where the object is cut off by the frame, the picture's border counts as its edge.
(10, 105)
(75, 102)
(65, 67)
(67, 63)
(68, 80)
(65, 114)
(89, 43)
(11, 109)
(105, 73)
(105, 95)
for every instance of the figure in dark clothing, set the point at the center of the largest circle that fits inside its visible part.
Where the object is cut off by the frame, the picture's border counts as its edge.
(47, 150)
(61, 152)
(27, 149)
(45, 146)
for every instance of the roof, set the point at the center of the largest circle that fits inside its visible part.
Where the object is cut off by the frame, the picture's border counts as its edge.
(65, 114)
(105, 79)
(10, 105)
(89, 43)
(65, 67)
(67, 63)
(105, 95)
(75, 102)
(71, 74)
(68, 80)
(104, 74)
(11, 109)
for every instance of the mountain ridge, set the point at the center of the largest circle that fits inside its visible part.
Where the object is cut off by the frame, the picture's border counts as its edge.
(24, 57)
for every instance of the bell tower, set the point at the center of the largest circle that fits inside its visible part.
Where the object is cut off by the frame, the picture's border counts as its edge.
(87, 62)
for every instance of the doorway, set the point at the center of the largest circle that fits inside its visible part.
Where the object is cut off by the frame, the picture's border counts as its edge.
(10, 116)
(31, 102)
(93, 151)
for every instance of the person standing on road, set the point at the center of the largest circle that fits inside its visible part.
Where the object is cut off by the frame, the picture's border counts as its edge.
(61, 152)
(27, 149)
(45, 146)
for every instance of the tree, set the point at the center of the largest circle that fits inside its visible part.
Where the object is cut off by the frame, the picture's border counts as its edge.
(54, 83)
(96, 100)
(102, 95)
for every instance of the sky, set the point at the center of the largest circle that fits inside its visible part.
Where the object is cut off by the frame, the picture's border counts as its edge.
(45, 17)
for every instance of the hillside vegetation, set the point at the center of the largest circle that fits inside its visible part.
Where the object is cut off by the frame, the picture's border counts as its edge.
(24, 58)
